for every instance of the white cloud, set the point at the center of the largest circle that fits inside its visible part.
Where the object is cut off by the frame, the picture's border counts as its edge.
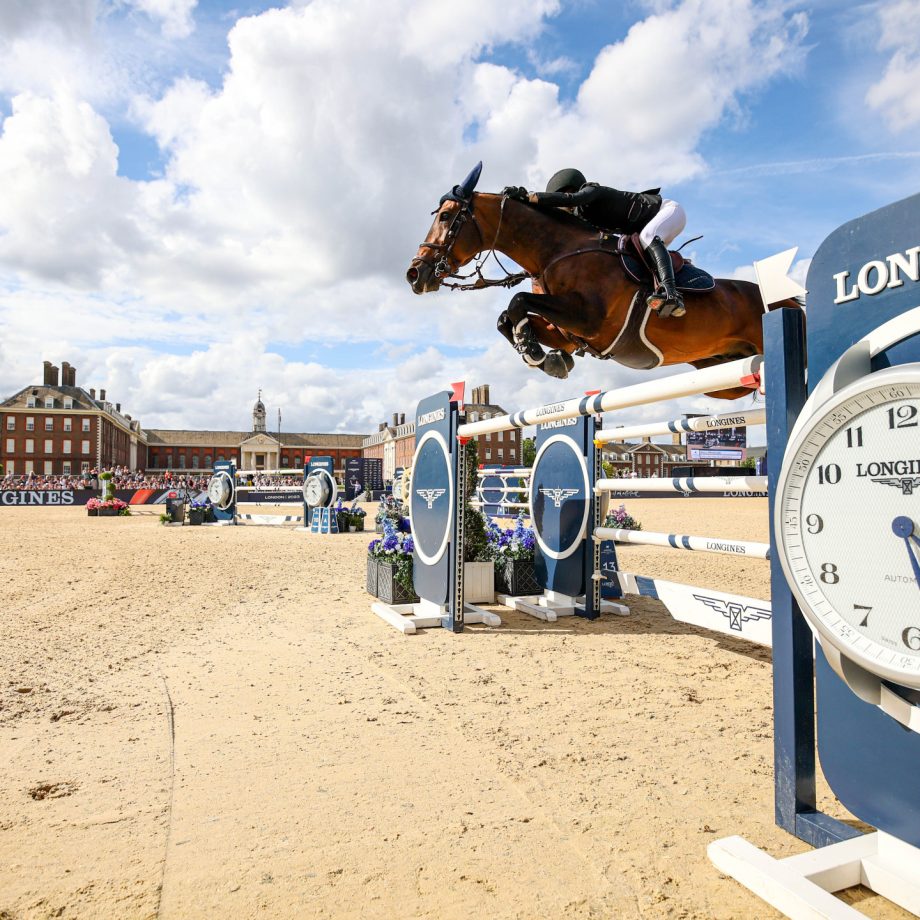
(295, 193)
(895, 94)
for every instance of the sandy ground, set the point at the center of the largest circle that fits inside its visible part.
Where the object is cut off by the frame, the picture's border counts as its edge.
(209, 722)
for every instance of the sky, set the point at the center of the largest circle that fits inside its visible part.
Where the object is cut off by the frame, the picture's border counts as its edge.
(199, 199)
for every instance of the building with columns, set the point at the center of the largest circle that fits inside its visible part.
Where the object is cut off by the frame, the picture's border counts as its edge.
(258, 449)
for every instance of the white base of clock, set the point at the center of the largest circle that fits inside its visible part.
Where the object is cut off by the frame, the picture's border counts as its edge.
(801, 886)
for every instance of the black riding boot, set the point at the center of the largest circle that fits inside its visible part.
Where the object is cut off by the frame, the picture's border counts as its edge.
(666, 301)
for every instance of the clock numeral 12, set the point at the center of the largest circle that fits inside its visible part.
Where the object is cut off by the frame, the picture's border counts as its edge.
(902, 417)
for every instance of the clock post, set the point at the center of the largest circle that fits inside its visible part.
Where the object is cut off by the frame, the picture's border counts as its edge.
(845, 550)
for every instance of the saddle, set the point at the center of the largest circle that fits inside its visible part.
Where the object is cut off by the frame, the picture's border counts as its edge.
(688, 278)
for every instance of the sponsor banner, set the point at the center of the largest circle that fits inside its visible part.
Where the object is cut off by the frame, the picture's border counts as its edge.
(37, 498)
(707, 454)
(254, 496)
(733, 493)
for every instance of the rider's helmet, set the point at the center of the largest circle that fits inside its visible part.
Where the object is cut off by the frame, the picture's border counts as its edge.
(566, 180)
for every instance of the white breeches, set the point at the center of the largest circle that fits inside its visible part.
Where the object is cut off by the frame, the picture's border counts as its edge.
(667, 223)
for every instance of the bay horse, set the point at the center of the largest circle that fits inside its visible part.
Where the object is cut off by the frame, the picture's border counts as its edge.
(583, 299)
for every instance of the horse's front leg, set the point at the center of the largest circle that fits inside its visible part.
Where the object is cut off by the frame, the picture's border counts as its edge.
(514, 325)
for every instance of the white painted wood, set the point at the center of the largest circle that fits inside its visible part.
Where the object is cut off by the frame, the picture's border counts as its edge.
(479, 582)
(705, 484)
(738, 419)
(682, 541)
(801, 886)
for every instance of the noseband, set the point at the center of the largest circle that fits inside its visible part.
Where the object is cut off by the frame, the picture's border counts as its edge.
(443, 251)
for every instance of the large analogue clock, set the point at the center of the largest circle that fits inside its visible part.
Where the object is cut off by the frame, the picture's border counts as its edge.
(847, 518)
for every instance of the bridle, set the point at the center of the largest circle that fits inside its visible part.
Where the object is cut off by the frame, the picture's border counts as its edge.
(443, 251)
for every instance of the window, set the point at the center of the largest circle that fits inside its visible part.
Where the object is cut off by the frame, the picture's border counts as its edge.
(501, 435)
(68, 424)
(84, 466)
(29, 467)
(488, 453)
(181, 461)
(220, 458)
(9, 466)
(30, 446)
(84, 447)
(49, 423)
(68, 402)
(285, 461)
(11, 445)
(49, 447)
(67, 447)
(48, 470)
(195, 462)
(474, 416)
(49, 402)
(207, 461)
(86, 424)
(30, 423)
(11, 423)
(501, 453)
(30, 402)
(169, 461)
(67, 469)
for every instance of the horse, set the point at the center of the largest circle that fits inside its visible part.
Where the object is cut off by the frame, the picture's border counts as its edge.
(583, 298)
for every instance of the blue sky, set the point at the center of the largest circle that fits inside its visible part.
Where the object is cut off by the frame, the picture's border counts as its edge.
(209, 198)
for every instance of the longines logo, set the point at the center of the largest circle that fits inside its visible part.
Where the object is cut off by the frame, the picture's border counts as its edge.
(558, 496)
(878, 274)
(906, 484)
(430, 495)
(37, 497)
(902, 474)
(559, 423)
(737, 614)
(427, 418)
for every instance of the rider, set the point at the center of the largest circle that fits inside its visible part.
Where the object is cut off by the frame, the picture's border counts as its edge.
(657, 220)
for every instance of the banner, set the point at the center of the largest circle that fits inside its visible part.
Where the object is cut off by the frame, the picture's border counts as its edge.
(35, 498)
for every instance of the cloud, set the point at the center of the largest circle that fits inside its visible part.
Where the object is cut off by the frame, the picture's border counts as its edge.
(297, 187)
(895, 94)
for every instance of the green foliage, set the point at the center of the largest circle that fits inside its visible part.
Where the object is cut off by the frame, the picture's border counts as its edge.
(528, 452)
(475, 540)
(748, 464)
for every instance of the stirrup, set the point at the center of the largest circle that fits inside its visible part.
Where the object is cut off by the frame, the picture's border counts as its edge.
(666, 306)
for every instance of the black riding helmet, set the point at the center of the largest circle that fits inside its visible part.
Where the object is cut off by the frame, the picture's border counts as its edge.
(566, 180)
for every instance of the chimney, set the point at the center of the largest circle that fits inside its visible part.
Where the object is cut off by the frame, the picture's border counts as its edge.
(128, 417)
(102, 395)
(395, 419)
(402, 418)
(65, 374)
(48, 379)
(71, 375)
(92, 393)
(484, 394)
(118, 407)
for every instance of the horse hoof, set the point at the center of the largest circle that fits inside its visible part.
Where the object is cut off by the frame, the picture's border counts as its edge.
(556, 366)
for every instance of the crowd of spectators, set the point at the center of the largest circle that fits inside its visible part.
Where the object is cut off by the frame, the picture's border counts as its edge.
(122, 478)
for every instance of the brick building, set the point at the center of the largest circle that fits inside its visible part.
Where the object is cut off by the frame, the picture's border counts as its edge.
(58, 428)
(259, 449)
(394, 443)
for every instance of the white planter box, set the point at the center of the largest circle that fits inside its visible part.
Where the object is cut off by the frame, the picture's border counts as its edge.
(479, 582)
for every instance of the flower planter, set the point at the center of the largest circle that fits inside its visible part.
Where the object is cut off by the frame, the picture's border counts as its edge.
(108, 512)
(389, 590)
(341, 520)
(92, 512)
(378, 527)
(356, 525)
(479, 582)
(516, 577)
(372, 575)
(196, 516)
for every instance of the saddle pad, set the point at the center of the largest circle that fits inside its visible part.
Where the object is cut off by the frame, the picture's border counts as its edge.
(689, 278)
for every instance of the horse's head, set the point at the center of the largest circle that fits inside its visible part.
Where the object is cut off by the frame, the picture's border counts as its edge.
(453, 240)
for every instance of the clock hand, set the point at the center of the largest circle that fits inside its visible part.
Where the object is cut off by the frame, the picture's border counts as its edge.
(903, 527)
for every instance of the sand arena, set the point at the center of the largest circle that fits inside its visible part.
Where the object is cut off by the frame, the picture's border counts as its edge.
(209, 722)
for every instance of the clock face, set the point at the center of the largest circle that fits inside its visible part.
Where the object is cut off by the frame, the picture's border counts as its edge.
(848, 522)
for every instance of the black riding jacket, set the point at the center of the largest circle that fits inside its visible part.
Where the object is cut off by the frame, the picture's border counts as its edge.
(607, 208)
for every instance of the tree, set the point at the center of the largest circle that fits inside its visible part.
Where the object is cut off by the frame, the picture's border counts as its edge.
(474, 536)
(528, 452)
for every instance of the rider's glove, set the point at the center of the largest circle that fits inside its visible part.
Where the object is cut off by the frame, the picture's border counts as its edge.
(518, 192)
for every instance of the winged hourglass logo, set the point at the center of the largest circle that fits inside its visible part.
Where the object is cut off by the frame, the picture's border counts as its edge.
(906, 484)
(738, 614)
(430, 495)
(558, 496)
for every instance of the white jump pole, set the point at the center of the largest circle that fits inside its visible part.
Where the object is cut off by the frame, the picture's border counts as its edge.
(684, 542)
(698, 484)
(703, 423)
(744, 372)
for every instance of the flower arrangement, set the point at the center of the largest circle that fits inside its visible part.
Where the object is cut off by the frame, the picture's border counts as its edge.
(510, 543)
(202, 502)
(620, 520)
(108, 506)
(390, 509)
(395, 547)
